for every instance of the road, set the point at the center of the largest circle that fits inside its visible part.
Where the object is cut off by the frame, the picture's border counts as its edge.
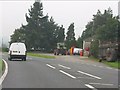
(62, 72)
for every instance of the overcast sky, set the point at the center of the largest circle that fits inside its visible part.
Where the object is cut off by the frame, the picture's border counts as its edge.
(12, 13)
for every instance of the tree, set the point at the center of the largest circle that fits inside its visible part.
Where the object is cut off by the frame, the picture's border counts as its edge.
(18, 36)
(99, 20)
(109, 31)
(70, 39)
(103, 28)
(60, 34)
(79, 42)
(94, 48)
(34, 28)
(40, 33)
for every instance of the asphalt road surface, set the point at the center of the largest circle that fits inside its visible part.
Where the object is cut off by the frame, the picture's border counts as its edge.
(63, 72)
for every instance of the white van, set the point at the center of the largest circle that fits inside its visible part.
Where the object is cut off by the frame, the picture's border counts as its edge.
(76, 51)
(17, 50)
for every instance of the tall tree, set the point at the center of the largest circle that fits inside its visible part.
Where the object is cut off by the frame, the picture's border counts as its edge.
(33, 28)
(40, 33)
(61, 35)
(79, 42)
(18, 36)
(70, 39)
(103, 28)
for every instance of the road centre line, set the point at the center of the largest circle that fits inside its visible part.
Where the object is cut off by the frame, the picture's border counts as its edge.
(89, 75)
(95, 65)
(29, 58)
(102, 84)
(100, 66)
(67, 74)
(50, 66)
(64, 66)
(108, 67)
(85, 77)
(116, 69)
(91, 87)
(87, 64)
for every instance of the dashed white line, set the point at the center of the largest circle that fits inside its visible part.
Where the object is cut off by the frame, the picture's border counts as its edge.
(50, 66)
(5, 72)
(116, 69)
(67, 74)
(64, 66)
(95, 65)
(100, 66)
(87, 64)
(108, 67)
(91, 87)
(102, 84)
(29, 58)
(85, 77)
(89, 75)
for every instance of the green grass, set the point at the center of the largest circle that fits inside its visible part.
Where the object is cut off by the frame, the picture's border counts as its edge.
(111, 64)
(41, 55)
(1, 62)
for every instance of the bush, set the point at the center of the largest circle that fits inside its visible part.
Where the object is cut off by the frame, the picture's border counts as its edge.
(94, 48)
(4, 49)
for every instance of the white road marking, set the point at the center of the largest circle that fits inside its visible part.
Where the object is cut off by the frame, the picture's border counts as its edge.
(29, 58)
(67, 74)
(87, 64)
(89, 86)
(102, 84)
(95, 65)
(85, 77)
(5, 72)
(100, 66)
(116, 69)
(108, 67)
(50, 66)
(89, 75)
(64, 66)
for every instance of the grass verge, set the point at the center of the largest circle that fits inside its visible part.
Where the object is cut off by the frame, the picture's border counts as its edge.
(115, 64)
(1, 65)
(41, 55)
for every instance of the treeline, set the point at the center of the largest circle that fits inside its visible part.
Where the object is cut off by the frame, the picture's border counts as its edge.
(41, 32)
(101, 29)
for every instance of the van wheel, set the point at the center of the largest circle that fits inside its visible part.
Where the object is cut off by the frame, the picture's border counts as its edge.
(10, 59)
(24, 59)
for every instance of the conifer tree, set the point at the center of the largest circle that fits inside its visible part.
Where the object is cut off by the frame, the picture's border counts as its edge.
(70, 39)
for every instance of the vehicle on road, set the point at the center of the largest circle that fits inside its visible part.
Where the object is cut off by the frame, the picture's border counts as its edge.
(17, 50)
(61, 49)
(77, 51)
